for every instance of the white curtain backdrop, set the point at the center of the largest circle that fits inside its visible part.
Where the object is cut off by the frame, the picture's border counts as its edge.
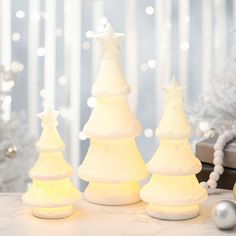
(187, 39)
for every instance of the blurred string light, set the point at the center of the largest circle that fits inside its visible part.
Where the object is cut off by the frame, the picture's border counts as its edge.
(167, 25)
(41, 52)
(16, 67)
(187, 18)
(103, 21)
(148, 133)
(89, 34)
(43, 93)
(9, 85)
(152, 63)
(82, 136)
(35, 17)
(91, 102)
(15, 36)
(59, 32)
(62, 80)
(67, 9)
(86, 45)
(101, 28)
(65, 113)
(149, 10)
(43, 14)
(184, 45)
(143, 67)
(20, 14)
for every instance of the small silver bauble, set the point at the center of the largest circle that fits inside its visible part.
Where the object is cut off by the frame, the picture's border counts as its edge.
(10, 151)
(224, 214)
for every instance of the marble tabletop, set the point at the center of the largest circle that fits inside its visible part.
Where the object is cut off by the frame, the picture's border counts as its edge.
(97, 220)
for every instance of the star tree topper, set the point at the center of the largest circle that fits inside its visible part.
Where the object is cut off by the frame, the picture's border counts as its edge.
(48, 117)
(174, 91)
(109, 41)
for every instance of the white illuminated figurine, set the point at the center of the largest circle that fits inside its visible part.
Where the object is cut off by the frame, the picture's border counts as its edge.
(52, 193)
(113, 165)
(173, 191)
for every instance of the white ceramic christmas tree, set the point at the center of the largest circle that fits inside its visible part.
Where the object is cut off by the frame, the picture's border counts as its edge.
(173, 191)
(52, 193)
(113, 165)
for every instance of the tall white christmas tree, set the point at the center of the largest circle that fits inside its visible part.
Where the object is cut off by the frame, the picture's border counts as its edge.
(113, 165)
(173, 192)
(52, 193)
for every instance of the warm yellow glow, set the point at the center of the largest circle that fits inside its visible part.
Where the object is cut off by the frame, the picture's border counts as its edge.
(112, 118)
(173, 213)
(53, 193)
(53, 213)
(112, 161)
(113, 194)
(50, 141)
(173, 190)
(174, 157)
(49, 166)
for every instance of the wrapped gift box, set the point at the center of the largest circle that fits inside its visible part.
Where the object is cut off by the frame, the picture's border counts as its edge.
(205, 152)
(226, 181)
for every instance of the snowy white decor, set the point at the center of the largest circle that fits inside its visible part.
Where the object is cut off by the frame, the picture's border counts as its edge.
(113, 165)
(16, 142)
(52, 193)
(173, 192)
(17, 154)
(218, 103)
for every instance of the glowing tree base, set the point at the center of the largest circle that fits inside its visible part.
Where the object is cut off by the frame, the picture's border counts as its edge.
(113, 194)
(173, 212)
(53, 213)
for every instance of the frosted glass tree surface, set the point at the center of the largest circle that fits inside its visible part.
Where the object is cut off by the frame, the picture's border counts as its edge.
(173, 191)
(113, 165)
(52, 193)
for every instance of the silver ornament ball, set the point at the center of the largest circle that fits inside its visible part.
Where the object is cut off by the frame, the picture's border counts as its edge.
(10, 151)
(224, 214)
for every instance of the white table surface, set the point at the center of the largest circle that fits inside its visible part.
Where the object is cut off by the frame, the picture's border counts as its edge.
(97, 220)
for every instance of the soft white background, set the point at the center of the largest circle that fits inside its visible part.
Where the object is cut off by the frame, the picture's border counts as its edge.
(188, 39)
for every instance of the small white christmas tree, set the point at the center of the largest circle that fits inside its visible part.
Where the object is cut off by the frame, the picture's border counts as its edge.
(113, 165)
(173, 192)
(52, 193)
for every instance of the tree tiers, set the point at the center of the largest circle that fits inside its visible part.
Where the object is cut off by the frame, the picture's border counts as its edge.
(112, 161)
(112, 118)
(114, 194)
(50, 141)
(110, 81)
(55, 193)
(173, 191)
(174, 157)
(51, 166)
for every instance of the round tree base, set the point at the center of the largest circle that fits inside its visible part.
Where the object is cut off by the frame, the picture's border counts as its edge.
(53, 213)
(113, 194)
(173, 212)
